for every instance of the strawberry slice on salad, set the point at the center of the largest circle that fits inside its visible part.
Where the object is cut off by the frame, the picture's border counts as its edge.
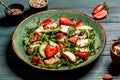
(100, 11)
(78, 23)
(46, 22)
(83, 55)
(61, 46)
(51, 50)
(37, 60)
(73, 39)
(59, 35)
(65, 21)
(35, 37)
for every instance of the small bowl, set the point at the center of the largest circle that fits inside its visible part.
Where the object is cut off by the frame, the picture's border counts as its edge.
(114, 56)
(38, 5)
(15, 13)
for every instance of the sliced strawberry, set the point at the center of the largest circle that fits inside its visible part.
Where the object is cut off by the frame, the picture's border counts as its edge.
(78, 23)
(50, 51)
(58, 35)
(102, 14)
(40, 62)
(65, 21)
(61, 46)
(83, 55)
(99, 7)
(73, 39)
(35, 59)
(46, 22)
(34, 38)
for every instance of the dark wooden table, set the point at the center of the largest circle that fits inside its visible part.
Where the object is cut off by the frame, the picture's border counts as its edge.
(11, 68)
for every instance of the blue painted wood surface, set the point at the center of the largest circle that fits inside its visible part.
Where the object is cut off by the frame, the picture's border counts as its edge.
(11, 68)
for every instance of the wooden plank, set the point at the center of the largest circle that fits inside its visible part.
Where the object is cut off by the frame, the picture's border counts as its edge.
(112, 33)
(6, 72)
(11, 67)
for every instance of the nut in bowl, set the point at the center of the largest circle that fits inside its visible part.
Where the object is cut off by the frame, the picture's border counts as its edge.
(115, 52)
(38, 5)
(15, 13)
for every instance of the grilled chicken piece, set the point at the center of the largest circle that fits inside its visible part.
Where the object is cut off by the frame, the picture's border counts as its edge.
(69, 55)
(51, 61)
(64, 28)
(77, 32)
(62, 39)
(82, 43)
(52, 25)
(30, 48)
(39, 30)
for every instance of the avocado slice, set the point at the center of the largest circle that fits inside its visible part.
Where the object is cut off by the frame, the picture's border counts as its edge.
(42, 49)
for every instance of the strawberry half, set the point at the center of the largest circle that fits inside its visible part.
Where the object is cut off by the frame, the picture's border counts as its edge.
(34, 38)
(78, 23)
(50, 51)
(46, 22)
(73, 38)
(101, 14)
(34, 59)
(65, 21)
(58, 35)
(37, 60)
(100, 11)
(83, 55)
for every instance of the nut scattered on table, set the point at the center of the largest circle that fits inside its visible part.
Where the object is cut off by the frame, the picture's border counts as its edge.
(107, 77)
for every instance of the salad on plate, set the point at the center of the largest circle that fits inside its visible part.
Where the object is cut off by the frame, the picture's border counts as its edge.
(64, 42)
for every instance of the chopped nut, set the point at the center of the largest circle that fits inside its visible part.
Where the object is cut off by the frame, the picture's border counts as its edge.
(117, 49)
(107, 77)
(100, 79)
(51, 61)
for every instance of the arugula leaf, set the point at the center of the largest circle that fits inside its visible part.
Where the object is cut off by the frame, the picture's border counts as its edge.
(71, 30)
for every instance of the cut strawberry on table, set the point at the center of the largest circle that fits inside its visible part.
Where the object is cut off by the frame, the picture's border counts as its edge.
(99, 7)
(83, 55)
(66, 21)
(100, 11)
(101, 14)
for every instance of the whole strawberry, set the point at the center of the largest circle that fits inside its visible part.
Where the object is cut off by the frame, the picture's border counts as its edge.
(83, 55)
